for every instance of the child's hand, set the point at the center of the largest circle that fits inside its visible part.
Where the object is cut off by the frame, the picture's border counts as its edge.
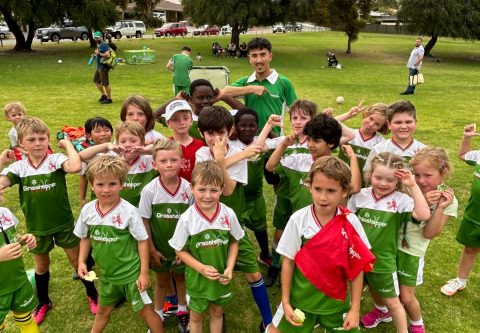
(209, 272)
(181, 95)
(178, 261)
(220, 149)
(83, 202)
(28, 240)
(351, 320)
(356, 109)
(82, 270)
(7, 156)
(469, 130)
(348, 151)
(63, 143)
(446, 198)
(328, 112)
(143, 282)
(156, 258)
(227, 273)
(233, 134)
(289, 140)
(116, 149)
(290, 316)
(433, 197)
(406, 177)
(10, 251)
(218, 95)
(252, 151)
(275, 120)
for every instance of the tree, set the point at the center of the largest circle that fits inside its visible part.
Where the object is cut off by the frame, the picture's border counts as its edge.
(448, 18)
(146, 7)
(239, 14)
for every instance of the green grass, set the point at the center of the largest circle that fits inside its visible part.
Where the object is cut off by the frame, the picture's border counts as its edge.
(64, 94)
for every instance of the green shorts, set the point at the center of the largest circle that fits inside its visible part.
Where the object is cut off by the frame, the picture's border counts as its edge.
(65, 238)
(281, 212)
(409, 269)
(22, 300)
(169, 266)
(257, 214)
(384, 284)
(331, 322)
(109, 294)
(246, 259)
(200, 305)
(469, 233)
(177, 89)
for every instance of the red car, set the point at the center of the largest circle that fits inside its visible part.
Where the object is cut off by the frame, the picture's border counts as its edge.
(207, 30)
(171, 29)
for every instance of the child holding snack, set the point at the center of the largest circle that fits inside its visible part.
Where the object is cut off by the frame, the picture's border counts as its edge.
(14, 112)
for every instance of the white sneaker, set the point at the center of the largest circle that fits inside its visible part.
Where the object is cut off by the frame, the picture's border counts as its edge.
(452, 287)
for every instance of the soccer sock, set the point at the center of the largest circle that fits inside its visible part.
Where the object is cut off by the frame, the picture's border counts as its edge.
(381, 308)
(90, 288)
(259, 292)
(417, 322)
(182, 308)
(262, 239)
(41, 282)
(275, 256)
(25, 322)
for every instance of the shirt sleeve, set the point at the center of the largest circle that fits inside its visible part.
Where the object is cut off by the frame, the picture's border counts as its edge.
(239, 172)
(352, 204)
(290, 95)
(59, 159)
(145, 205)
(242, 82)
(452, 209)
(81, 227)
(472, 157)
(12, 135)
(357, 225)
(235, 229)
(180, 237)
(201, 155)
(12, 173)
(291, 240)
(274, 143)
(136, 226)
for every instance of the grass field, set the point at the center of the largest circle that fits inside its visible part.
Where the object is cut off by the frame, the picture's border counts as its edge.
(64, 94)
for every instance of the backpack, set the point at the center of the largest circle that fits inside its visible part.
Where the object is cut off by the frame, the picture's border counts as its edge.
(110, 62)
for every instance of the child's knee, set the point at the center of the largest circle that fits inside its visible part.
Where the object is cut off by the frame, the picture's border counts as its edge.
(407, 298)
(253, 277)
(393, 304)
(104, 311)
(215, 311)
(196, 317)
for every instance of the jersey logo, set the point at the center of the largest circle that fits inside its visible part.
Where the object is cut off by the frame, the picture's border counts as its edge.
(225, 221)
(52, 166)
(142, 166)
(392, 204)
(186, 164)
(5, 220)
(117, 220)
(184, 196)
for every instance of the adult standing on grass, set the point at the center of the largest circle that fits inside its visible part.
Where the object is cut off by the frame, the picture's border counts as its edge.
(414, 63)
(266, 91)
(181, 64)
(100, 78)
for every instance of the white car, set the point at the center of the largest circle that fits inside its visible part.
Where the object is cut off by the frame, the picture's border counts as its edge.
(279, 28)
(127, 28)
(4, 31)
(226, 30)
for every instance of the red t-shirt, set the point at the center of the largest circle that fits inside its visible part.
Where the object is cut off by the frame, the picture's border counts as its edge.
(188, 159)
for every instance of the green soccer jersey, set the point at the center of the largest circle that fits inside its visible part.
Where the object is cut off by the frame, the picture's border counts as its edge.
(140, 173)
(362, 147)
(472, 210)
(43, 194)
(163, 209)
(381, 218)
(281, 95)
(12, 272)
(207, 240)
(114, 237)
(182, 64)
(193, 130)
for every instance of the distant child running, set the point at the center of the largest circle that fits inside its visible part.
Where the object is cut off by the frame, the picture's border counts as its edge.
(16, 292)
(45, 205)
(383, 209)
(469, 231)
(162, 202)
(114, 230)
(315, 291)
(206, 240)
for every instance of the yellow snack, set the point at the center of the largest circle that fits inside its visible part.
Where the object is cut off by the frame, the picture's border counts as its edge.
(301, 316)
(91, 276)
(474, 127)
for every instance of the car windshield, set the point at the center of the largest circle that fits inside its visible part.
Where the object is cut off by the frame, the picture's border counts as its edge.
(118, 25)
(167, 25)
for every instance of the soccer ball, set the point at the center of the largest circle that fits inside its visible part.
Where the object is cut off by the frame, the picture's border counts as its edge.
(340, 100)
(60, 61)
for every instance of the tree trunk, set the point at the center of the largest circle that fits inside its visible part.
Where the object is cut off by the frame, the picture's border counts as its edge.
(431, 43)
(21, 44)
(235, 35)
(349, 45)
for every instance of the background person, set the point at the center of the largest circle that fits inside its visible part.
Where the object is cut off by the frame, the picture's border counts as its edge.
(100, 78)
(181, 64)
(414, 63)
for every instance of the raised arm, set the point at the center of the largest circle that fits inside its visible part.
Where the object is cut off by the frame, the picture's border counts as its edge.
(219, 150)
(278, 153)
(465, 146)
(421, 211)
(435, 224)
(242, 91)
(356, 181)
(89, 153)
(73, 164)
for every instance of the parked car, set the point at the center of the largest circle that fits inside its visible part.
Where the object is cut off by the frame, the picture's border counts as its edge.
(226, 30)
(207, 30)
(279, 28)
(160, 15)
(4, 31)
(67, 30)
(296, 26)
(127, 28)
(171, 29)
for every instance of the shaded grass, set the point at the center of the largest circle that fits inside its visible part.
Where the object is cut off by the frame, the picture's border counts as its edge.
(64, 94)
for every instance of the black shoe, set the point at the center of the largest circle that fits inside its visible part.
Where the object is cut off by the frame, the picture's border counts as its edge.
(406, 93)
(224, 330)
(107, 101)
(102, 98)
(272, 276)
(262, 327)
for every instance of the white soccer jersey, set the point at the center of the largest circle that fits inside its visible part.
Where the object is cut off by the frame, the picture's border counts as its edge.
(237, 172)
(154, 135)
(391, 147)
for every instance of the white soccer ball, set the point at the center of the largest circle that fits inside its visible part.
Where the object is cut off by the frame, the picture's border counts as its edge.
(339, 66)
(60, 61)
(340, 100)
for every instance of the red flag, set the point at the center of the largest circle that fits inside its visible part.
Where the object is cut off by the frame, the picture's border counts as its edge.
(336, 253)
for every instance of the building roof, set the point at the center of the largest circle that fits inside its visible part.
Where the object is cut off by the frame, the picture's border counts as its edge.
(167, 5)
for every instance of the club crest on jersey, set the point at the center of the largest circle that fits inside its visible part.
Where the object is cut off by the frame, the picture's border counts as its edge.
(52, 166)
(225, 221)
(184, 195)
(392, 204)
(142, 166)
(5, 220)
(117, 220)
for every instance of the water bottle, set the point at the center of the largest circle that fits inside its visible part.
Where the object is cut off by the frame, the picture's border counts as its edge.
(90, 62)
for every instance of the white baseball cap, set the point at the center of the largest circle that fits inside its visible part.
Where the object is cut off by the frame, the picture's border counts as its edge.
(175, 106)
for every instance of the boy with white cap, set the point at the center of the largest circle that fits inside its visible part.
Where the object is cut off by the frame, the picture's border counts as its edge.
(178, 116)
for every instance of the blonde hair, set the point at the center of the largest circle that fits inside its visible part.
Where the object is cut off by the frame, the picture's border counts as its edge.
(132, 127)
(14, 106)
(207, 173)
(332, 167)
(166, 145)
(388, 160)
(435, 157)
(107, 165)
(31, 125)
(380, 109)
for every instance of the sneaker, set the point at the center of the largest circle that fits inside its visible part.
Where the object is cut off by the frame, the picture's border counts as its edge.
(169, 309)
(106, 101)
(416, 329)
(270, 279)
(452, 287)
(375, 317)
(102, 98)
(262, 327)
(93, 305)
(183, 320)
(41, 311)
(265, 260)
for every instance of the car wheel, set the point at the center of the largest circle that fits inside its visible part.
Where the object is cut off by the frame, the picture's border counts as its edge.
(55, 38)
(138, 34)
(118, 35)
(83, 36)
(167, 34)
